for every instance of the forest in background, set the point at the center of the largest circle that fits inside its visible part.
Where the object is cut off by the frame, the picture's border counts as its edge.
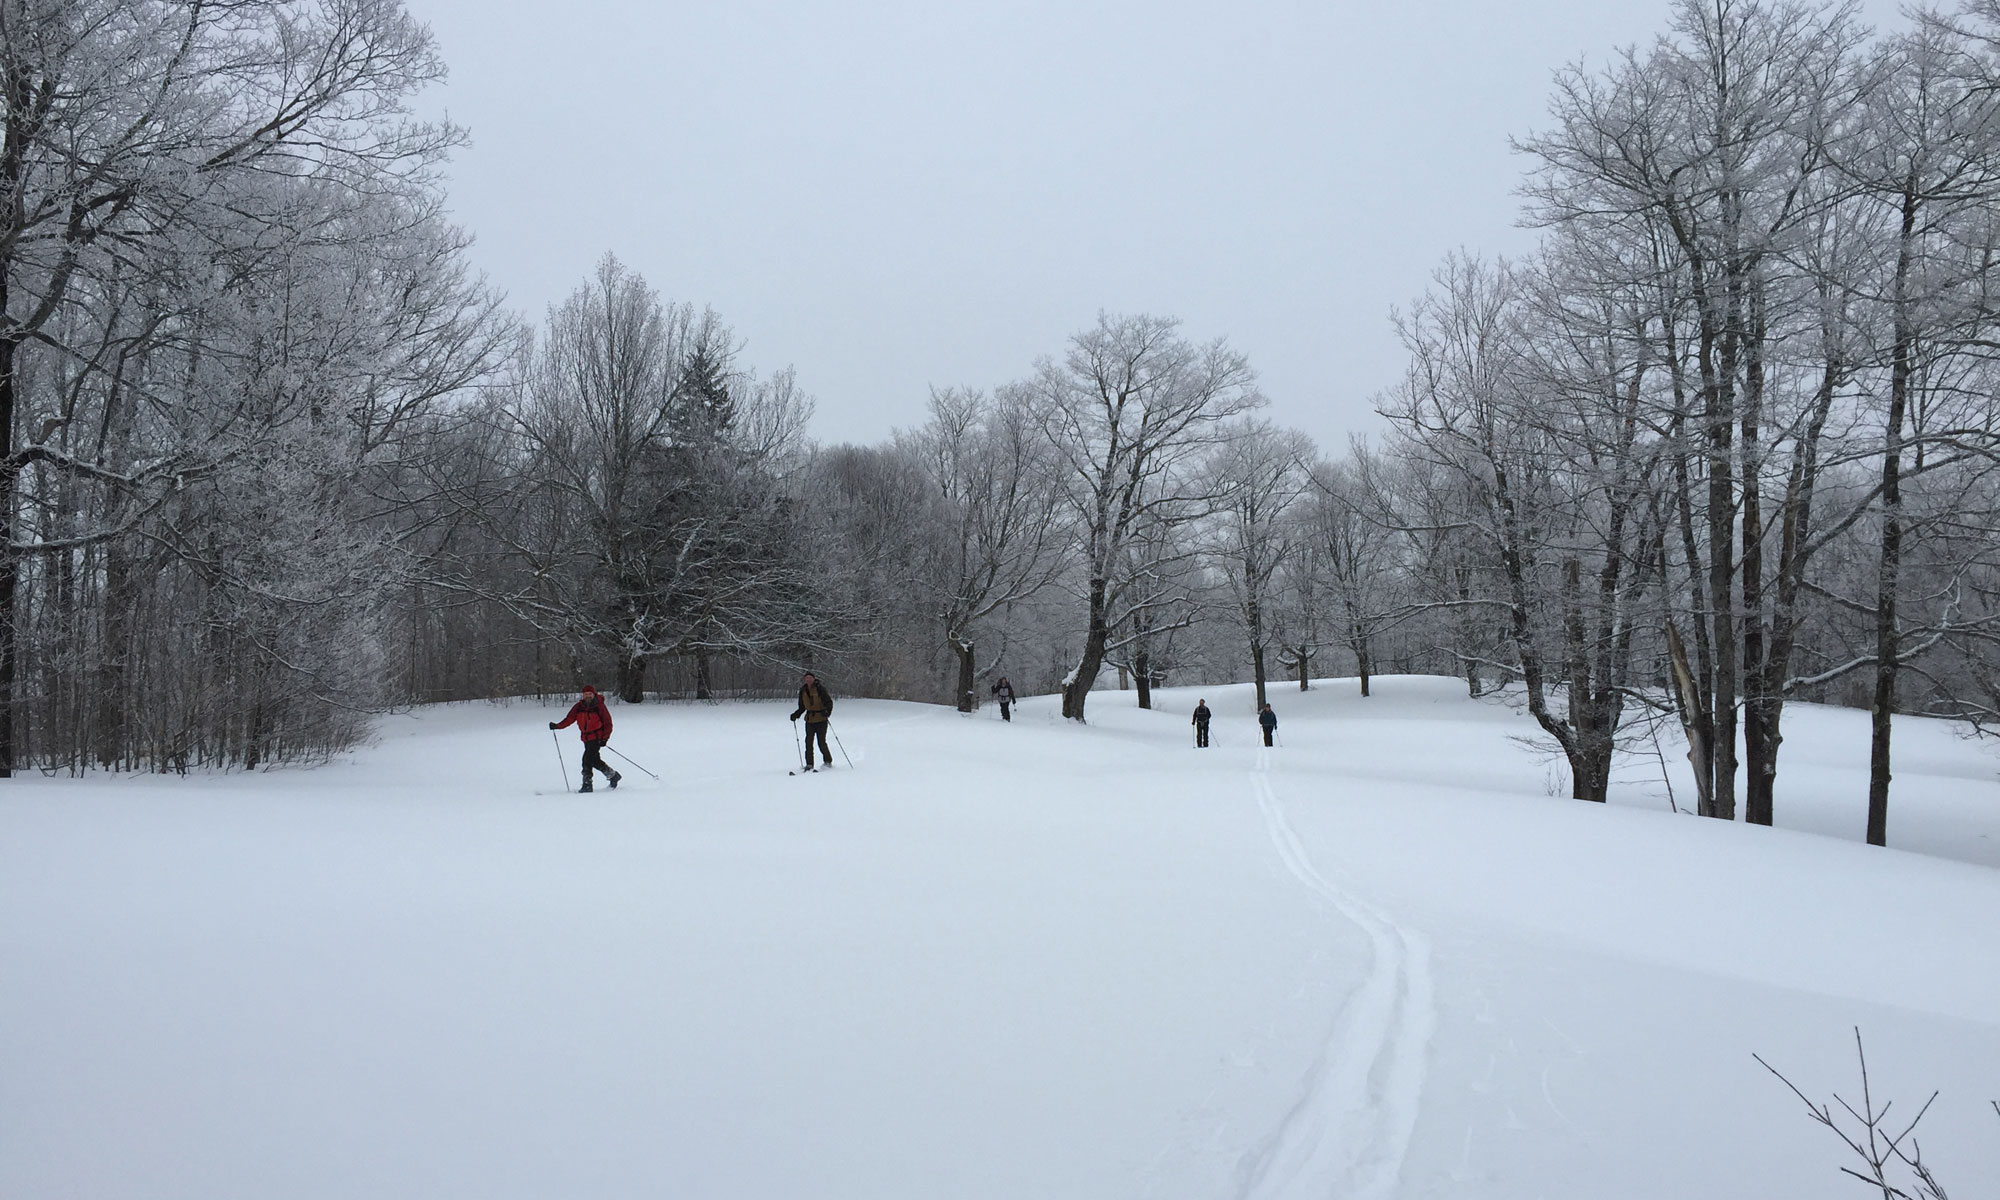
(276, 458)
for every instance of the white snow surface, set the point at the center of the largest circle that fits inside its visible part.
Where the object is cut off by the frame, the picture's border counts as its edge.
(1036, 959)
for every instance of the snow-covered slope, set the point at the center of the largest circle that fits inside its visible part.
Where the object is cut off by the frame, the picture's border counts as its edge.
(1005, 960)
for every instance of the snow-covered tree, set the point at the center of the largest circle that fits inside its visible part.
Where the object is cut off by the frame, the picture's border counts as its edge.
(986, 460)
(1260, 474)
(219, 246)
(648, 520)
(1132, 410)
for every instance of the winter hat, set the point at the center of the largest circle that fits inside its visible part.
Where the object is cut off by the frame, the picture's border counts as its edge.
(588, 690)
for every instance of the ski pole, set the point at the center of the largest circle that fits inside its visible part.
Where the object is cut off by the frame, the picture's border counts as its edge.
(560, 764)
(621, 754)
(843, 748)
(798, 750)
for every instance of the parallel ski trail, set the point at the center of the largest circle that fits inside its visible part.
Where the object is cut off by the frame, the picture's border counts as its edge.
(1347, 1135)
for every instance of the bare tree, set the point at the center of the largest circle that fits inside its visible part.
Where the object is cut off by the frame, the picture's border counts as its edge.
(1444, 559)
(990, 465)
(880, 531)
(643, 524)
(1349, 544)
(1535, 405)
(1130, 412)
(1933, 162)
(1158, 591)
(1260, 475)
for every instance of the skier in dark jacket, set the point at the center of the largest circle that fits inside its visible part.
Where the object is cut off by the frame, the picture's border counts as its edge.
(1269, 720)
(816, 706)
(1201, 716)
(1004, 691)
(593, 725)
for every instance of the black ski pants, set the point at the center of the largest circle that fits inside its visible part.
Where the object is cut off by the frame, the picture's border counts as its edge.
(1201, 733)
(1004, 706)
(593, 758)
(817, 729)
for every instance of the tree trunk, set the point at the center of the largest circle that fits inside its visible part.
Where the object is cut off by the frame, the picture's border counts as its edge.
(1305, 669)
(113, 688)
(61, 700)
(1364, 658)
(967, 672)
(1699, 674)
(258, 667)
(1589, 715)
(1472, 682)
(1253, 621)
(704, 687)
(632, 678)
(1590, 771)
(1722, 688)
(9, 562)
(1094, 639)
(1691, 713)
(1760, 700)
(1888, 645)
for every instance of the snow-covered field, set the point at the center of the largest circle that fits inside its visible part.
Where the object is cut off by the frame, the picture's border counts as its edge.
(1026, 960)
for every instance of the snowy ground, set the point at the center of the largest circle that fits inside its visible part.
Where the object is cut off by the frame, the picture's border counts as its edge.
(1026, 960)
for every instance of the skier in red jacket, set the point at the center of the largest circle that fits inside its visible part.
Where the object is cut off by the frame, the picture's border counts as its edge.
(593, 724)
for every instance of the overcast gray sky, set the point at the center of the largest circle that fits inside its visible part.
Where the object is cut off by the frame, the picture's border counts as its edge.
(891, 194)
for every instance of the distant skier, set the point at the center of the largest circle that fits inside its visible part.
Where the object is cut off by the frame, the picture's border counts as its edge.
(1201, 716)
(1004, 691)
(1269, 720)
(816, 706)
(593, 725)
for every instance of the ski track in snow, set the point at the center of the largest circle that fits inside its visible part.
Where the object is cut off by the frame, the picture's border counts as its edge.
(1348, 1132)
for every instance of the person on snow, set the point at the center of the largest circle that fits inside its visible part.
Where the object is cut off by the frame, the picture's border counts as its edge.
(1201, 716)
(816, 706)
(593, 725)
(1005, 692)
(1269, 720)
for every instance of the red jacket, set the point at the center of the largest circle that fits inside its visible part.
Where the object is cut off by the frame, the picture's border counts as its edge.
(593, 720)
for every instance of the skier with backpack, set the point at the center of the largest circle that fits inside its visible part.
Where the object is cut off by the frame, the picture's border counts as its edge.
(1269, 720)
(1201, 718)
(593, 724)
(816, 706)
(1004, 692)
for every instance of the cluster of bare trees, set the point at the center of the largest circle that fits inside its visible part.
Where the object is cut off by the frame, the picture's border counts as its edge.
(622, 496)
(629, 499)
(1730, 437)
(227, 299)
